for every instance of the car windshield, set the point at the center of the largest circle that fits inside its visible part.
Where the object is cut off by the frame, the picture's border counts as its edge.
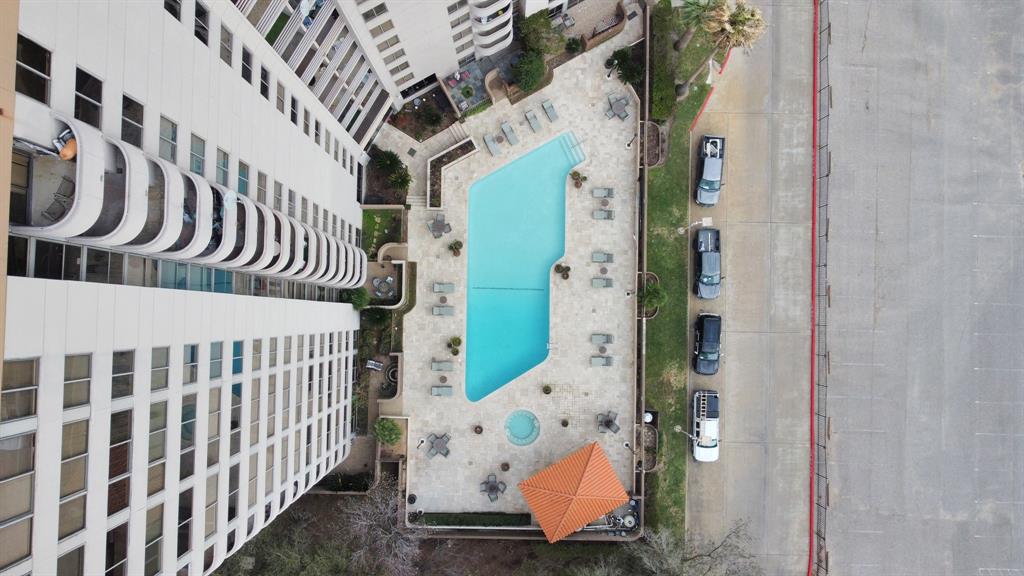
(707, 442)
(710, 184)
(710, 279)
(708, 355)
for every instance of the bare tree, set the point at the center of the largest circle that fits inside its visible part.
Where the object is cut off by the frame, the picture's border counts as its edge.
(661, 553)
(380, 544)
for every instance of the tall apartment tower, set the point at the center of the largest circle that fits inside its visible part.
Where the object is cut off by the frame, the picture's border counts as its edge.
(184, 219)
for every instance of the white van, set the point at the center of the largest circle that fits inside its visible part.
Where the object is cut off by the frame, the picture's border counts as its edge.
(705, 426)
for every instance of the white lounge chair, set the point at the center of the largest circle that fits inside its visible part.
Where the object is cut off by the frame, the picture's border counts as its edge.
(549, 109)
(510, 134)
(601, 282)
(601, 361)
(599, 339)
(603, 193)
(531, 117)
(440, 390)
(443, 311)
(602, 214)
(442, 365)
(492, 146)
(602, 257)
(444, 287)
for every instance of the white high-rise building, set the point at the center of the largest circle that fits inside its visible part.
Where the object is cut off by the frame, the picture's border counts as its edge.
(184, 219)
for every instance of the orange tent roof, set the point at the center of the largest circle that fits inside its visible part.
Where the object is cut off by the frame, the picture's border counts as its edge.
(573, 492)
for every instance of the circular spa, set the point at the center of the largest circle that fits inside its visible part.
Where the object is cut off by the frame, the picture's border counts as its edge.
(522, 428)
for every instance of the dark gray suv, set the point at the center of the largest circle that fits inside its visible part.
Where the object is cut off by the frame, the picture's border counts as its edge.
(708, 350)
(708, 263)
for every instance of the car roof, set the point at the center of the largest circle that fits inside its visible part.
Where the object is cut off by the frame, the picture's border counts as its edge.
(711, 262)
(712, 168)
(712, 324)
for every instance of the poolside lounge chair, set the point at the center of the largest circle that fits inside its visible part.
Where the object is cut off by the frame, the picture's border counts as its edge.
(444, 287)
(510, 134)
(600, 339)
(531, 117)
(601, 361)
(549, 109)
(442, 365)
(603, 193)
(492, 146)
(443, 311)
(440, 390)
(602, 257)
(600, 282)
(602, 214)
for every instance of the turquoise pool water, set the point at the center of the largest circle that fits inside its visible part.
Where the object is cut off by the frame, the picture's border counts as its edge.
(522, 427)
(516, 233)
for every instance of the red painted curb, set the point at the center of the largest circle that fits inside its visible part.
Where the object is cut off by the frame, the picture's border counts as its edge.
(814, 262)
(724, 62)
(702, 107)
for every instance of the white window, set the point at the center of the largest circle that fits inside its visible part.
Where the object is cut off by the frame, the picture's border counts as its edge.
(226, 41)
(168, 140)
(88, 98)
(131, 121)
(198, 155)
(202, 25)
(33, 70)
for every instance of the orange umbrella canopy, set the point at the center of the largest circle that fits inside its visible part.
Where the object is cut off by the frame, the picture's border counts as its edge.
(573, 492)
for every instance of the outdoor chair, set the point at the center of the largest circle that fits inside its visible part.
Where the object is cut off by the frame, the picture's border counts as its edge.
(609, 114)
(443, 311)
(600, 282)
(602, 214)
(600, 339)
(510, 134)
(492, 496)
(492, 146)
(441, 365)
(602, 257)
(440, 390)
(549, 109)
(600, 360)
(432, 452)
(444, 287)
(603, 193)
(501, 487)
(444, 452)
(531, 117)
(483, 486)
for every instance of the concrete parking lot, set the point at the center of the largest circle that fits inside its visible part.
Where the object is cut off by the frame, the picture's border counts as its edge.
(761, 104)
(926, 276)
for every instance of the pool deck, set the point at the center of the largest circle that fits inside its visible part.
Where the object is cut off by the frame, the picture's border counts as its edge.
(579, 92)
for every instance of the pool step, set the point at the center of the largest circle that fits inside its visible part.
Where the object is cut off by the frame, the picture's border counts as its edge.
(573, 149)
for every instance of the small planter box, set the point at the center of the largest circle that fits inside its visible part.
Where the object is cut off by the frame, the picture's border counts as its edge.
(437, 164)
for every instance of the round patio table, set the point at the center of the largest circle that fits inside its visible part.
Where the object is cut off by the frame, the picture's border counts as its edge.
(443, 379)
(499, 139)
(438, 443)
(444, 299)
(604, 203)
(604, 269)
(602, 349)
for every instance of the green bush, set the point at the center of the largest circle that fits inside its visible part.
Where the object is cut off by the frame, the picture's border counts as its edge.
(387, 431)
(429, 115)
(386, 161)
(377, 317)
(400, 179)
(359, 298)
(536, 35)
(653, 296)
(467, 92)
(630, 70)
(529, 71)
(573, 45)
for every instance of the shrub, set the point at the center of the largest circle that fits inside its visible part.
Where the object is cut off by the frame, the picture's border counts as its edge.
(536, 35)
(529, 71)
(377, 317)
(467, 92)
(400, 179)
(573, 45)
(429, 115)
(630, 71)
(663, 61)
(653, 296)
(387, 431)
(455, 341)
(359, 298)
(386, 161)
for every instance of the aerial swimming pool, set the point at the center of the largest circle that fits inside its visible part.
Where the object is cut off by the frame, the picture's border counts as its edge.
(516, 233)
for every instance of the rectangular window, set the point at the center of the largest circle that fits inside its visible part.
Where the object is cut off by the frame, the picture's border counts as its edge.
(18, 389)
(154, 540)
(271, 405)
(184, 522)
(226, 41)
(246, 65)
(222, 167)
(17, 478)
(72, 563)
(465, 46)
(459, 21)
(381, 28)
(188, 429)
(280, 98)
(257, 353)
(197, 155)
(295, 111)
(374, 12)
(278, 193)
(404, 79)
(243, 178)
(88, 98)
(168, 140)
(123, 375)
(452, 8)
(77, 373)
(173, 8)
(265, 82)
(394, 56)
(237, 349)
(261, 187)
(158, 372)
(254, 412)
(399, 68)
(131, 121)
(73, 474)
(316, 131)
(305, 121)
(213, 428)
(157, 446)
(202, 27)
(190, 363)
(119, 461)
(216, 354)
(305, 211)
(117, 550)
(233, 483)
(291, 203)
(387, 43)
(211, 505)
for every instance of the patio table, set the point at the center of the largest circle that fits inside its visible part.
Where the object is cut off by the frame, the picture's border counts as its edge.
(619, 106)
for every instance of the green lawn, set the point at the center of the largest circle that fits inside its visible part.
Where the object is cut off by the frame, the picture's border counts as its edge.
(380, 227)
(667, 353)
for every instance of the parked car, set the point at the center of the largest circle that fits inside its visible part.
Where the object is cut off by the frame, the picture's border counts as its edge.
(709, 344)
(708, 263)
(712, 166)
(704, 429)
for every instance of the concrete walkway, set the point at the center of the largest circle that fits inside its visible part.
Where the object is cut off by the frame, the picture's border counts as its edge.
(762, 105)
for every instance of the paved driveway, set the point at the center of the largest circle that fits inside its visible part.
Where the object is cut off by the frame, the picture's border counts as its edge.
(926, 269)
(762, 106)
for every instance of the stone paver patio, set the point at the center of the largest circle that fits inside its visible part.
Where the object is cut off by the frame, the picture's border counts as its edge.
(579, 92)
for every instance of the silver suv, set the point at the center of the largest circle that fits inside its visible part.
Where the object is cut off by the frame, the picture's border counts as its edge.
(712, 159)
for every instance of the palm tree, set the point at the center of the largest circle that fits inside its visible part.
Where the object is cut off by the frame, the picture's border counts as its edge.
(737, 26)
(695, 15)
